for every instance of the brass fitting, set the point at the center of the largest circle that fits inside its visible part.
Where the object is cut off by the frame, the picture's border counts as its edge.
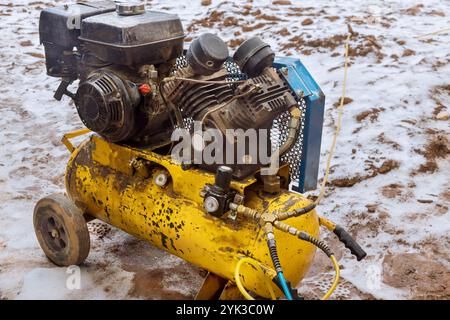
(141, 168)
(248, 212)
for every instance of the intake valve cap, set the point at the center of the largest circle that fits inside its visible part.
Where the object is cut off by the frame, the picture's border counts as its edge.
(253, 56)
(207, 54)
(130, 8)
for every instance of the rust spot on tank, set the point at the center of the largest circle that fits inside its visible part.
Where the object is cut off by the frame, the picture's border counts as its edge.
(226, 249)
(173, 245)
(290, 202)
(164, 240)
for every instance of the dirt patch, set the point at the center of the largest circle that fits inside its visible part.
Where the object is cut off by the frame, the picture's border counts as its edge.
(230, 21)
(347, 182)
(249, 28)
(371, 114)
(393, 190)
(387, 166)
(363, 225)
(307, 22)
(282, 2)
(365, 45)
(347, 100)
(408, 53)
(332, 18)
(371, 208)
(421, 275)
(175, 279)
(99, 229)
(445, 195)
(438, 94)
(435, 13)
(382, 139)
(283, 32)
(35, 55)
(208, 22)
(148, 284)
(435, 246)
(413, 11)
(438, 147)
(26, 43)
(268, 17)
(235, 42)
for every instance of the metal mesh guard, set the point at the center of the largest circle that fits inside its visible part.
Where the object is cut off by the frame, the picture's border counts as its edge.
(279, 130)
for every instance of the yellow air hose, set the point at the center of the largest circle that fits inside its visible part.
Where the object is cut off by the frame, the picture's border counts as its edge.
(254, 263)
(336, 278)
(237, 277)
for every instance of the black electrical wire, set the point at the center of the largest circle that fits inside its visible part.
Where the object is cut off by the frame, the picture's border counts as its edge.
(176, 111)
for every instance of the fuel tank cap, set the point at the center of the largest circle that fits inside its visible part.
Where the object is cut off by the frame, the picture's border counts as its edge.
(130, 8)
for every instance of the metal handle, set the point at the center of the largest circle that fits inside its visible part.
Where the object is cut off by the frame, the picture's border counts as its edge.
(70, 135)
(350, 243)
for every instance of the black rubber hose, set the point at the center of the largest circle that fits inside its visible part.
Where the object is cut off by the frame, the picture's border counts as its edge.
(318, 243)
(274, 255)
(305, 210)
(271, 243)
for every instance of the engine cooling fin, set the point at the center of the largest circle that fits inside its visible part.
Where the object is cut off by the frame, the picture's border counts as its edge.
(279, 129)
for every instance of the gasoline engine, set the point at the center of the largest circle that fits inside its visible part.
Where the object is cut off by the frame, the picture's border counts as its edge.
(135, 85)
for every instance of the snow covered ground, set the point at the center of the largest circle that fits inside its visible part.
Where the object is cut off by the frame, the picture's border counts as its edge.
(389, 183)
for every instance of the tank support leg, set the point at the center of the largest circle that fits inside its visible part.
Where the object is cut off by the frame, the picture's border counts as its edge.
(217, 288)
(212, 287)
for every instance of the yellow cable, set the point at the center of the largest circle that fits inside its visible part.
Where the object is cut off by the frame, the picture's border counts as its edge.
(338, 125)
(336, 278)
(433, 33)
(237, 277)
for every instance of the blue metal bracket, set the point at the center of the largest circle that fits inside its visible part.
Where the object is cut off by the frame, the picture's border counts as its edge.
(304, 86)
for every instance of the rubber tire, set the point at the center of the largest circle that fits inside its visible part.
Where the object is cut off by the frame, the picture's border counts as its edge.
(71, 220)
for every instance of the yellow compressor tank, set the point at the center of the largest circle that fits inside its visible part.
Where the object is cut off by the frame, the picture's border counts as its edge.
(153, 198)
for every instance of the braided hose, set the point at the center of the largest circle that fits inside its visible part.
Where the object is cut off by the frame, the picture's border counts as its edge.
(318, 243)
(272, 244)
(296, 212)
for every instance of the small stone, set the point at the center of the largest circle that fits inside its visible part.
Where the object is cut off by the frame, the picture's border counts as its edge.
(282, 2)
(408, 52)
(206, 2)
(26, 43)
(307, 22)
(443, 115)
